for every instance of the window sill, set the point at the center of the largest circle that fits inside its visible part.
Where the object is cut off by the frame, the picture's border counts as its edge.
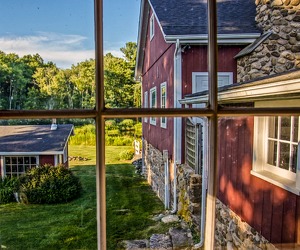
(277, 180)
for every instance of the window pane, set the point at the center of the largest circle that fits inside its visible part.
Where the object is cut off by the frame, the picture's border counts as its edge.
(7, 160)
(14, 160)
(272, 153)
(41, 214)
(47, 60)
(294, 159)
(296, 128)
(20, 160)
(285, 131)
(273, 127)
(284, 155)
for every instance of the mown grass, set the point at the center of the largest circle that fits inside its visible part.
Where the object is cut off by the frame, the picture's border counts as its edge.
(73, 225)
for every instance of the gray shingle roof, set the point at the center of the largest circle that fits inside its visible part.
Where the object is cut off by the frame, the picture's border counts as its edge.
(34, 138)
(189, 17)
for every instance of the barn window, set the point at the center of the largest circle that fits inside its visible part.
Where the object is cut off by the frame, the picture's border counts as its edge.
(153, 104)
(146, 104)
(14, 166)
(151, 27)
(163, 101)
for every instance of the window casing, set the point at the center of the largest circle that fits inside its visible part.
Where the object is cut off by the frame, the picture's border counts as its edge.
(151, 27)
(163, 103)
(275, 149)
(14, 166)
(146, 104)
(153, 104)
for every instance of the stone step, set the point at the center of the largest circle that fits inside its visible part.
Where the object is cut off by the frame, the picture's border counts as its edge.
(176, 238)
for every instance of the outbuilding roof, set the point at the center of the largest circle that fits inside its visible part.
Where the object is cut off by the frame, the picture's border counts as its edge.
(187, 17)
(34, 138)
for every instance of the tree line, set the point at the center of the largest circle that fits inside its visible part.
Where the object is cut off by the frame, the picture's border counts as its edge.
(29, 83)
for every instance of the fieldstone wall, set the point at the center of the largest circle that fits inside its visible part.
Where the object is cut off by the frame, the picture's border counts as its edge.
(232, 233)
(280, 52)
(189, 195)
(154, 171)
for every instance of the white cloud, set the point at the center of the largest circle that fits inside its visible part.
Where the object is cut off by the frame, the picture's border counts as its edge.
(62, 49)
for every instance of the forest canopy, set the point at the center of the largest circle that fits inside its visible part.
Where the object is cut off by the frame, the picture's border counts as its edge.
(29, 83)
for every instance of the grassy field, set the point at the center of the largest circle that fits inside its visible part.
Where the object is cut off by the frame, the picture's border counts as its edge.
(72, 225)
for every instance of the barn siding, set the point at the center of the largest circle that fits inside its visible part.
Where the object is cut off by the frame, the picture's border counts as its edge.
(195, 60)
(160, 138)
(47, 159)
(270, 210)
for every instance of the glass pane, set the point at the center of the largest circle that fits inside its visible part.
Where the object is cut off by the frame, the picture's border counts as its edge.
(32, 160)
(78, 230)
(284, 155)
(20, 160)
(294, 159)
(273, 127)
(14, 168)
(47, 61)
(296, 128)
(7, 169)
(285, 132)
(21, 169)
(272, 152)
(7, 160)
(14, 160)
(26, 160)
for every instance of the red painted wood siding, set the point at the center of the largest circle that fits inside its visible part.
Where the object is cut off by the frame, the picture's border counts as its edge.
(270, 210)
(195, 60)
(47, 159)
(159, 57)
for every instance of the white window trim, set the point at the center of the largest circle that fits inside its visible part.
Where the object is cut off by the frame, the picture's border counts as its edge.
(260, 168)
(2, 162)
(152, 27)
(153, 119)
(163, 85)
(194, 76)
(146, 104)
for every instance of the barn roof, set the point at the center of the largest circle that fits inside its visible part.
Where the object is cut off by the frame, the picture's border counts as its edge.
(34, 138)
(187, 17)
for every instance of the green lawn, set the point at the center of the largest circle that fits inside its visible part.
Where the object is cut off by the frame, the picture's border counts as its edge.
(72, 225)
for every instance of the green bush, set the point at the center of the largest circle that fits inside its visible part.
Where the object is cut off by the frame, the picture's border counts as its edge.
(47, 184)
(126, 124)
(8, 186)
(126, 154)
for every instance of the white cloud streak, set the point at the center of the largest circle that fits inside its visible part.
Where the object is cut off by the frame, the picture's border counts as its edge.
(62, 49)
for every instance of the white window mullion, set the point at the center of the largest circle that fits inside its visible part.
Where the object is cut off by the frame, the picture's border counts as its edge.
(278, 143)
(291, 140)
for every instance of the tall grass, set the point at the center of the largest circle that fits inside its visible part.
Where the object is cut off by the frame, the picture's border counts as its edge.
(116, 134)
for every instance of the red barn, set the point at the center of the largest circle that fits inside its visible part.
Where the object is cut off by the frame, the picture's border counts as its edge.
(257, 158)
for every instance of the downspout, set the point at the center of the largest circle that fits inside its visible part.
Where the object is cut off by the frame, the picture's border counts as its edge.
(175, 128)
(204, 181)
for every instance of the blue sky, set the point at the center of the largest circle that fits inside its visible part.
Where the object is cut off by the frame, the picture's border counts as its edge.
(62, 31)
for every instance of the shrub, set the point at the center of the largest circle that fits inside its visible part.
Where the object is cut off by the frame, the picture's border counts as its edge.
(126, 154)
(47, 184)
(8, 186)
(126, 124)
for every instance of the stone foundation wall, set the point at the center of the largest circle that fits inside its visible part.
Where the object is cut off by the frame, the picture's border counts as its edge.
(154, 171)
(232, 233)
(189, 195)
(280, 52)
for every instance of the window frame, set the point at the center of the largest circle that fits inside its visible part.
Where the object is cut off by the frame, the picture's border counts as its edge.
(152, 27)
(153, 90)
(163, 85)
(100, 113)
(146, 104)
(3, 164)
